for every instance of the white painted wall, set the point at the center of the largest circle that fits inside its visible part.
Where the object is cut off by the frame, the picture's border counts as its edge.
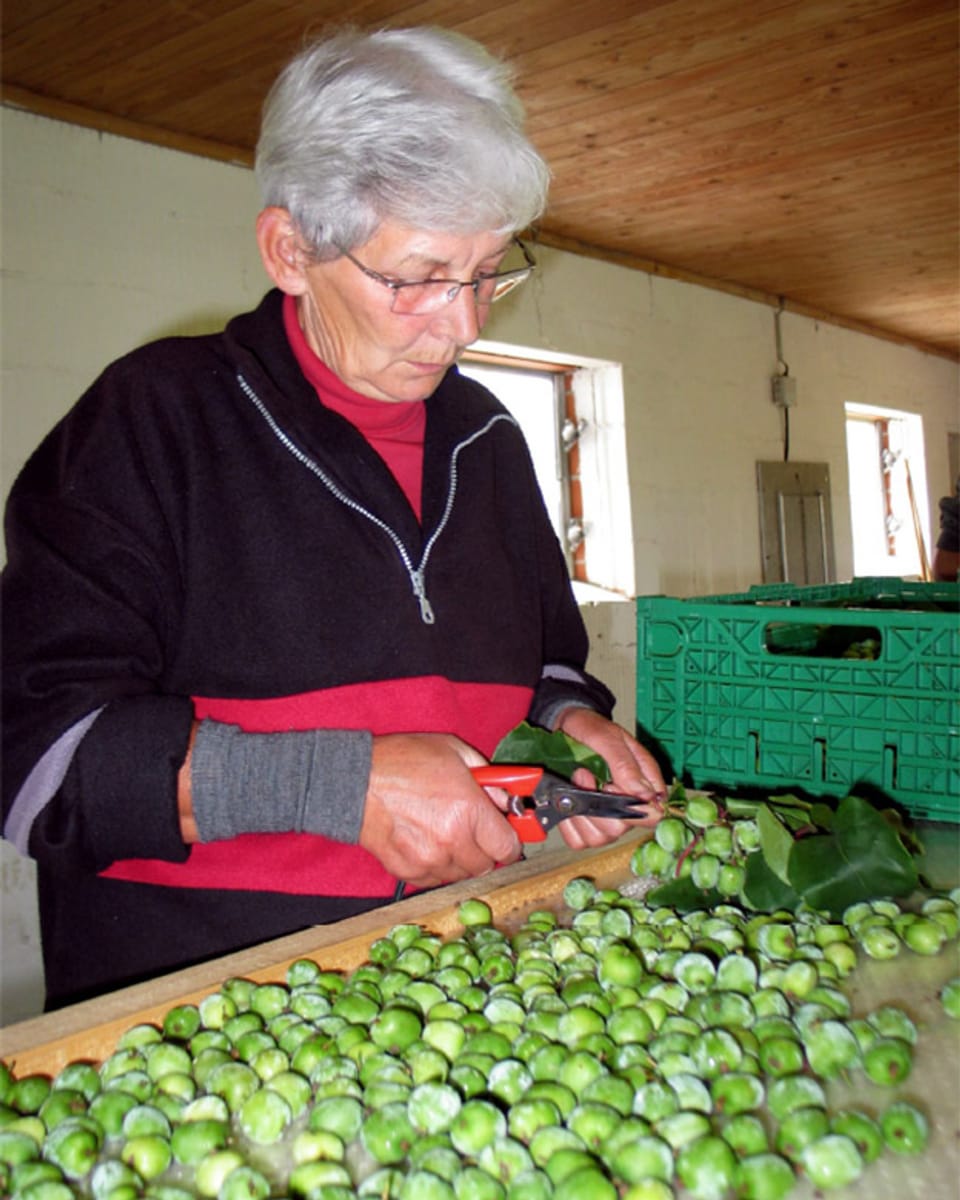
(109, 243)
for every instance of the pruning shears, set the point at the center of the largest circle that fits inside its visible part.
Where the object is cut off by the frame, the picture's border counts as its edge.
(539, 800)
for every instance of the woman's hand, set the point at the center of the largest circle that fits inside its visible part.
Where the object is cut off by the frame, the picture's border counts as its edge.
(633, 770)
(426, 819)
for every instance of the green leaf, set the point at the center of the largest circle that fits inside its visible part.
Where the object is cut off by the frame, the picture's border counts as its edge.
(776, 842)
(787, 800)
(527, 743)
(763, 890)
(862, 858)
(683, 895)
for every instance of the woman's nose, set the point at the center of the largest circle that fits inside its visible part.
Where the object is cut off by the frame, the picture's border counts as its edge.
(464, 316)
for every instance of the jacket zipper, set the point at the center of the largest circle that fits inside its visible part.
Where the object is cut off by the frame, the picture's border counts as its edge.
(416, 574)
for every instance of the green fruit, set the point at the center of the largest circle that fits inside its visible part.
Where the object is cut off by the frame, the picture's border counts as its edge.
(432, 1107)
(888, 1061)
(862, 1130)
(800, 978)
(28, 1174)
(111, 1174)
(718, 840)
(832, 1161)
(620, 966)
(396, 1028)
(651, 859)
(195, 1140)
(148, 1154)
(578, 893)
(594, 1123)
(715, 1052)
(532, 1114)
(474, 912)
(110, 1108)
(553, 1144)
(246, 1183)
(143, 1120)
(892, 1022)
(925, 936)
(505, 1158)
(737, 1092)
(792, 1092)
(680, 1128)
(731, 879)
(477, 1124)
(73, 1147)
(16, 1147)
(181, 1022)
(880, 941)
(950, 998)
(700, 811)
(60, 1104)
(138, 1036)
(28, 1094)
(234, 1082)
(764, 1176)
(565, 1162)
(80, 1077)
(264, 1116)
(388, 1134)
(706, 1167)
(746, 1135)
(798, 1129)
(905, 1128)
(654, 1100)
(472, 1183)
(831, 1049)
(671, 834)
(425, 1185)
(779, 1056)
(644, 1158)
(586, 1183)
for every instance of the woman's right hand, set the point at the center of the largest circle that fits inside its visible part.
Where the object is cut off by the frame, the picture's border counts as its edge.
(426, 819)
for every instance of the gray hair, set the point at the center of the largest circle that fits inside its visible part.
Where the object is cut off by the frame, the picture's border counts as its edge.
(420, 126)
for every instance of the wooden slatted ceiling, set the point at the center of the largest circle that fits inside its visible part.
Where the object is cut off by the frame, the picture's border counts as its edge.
(803, 150)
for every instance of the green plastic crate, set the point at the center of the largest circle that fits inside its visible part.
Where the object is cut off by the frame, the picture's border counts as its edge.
(824, 690)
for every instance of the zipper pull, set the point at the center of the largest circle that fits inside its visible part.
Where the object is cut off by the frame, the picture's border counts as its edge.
(420, 591)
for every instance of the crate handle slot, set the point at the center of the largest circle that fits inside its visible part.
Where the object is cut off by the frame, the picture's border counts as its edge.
(823, 639)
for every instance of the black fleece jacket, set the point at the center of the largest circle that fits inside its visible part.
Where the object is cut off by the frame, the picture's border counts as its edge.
(199, 535)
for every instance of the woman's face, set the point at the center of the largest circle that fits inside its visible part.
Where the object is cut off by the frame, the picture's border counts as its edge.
(347, 319)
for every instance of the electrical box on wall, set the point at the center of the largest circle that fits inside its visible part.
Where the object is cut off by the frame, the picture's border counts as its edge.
(784, 391)
(796, 523)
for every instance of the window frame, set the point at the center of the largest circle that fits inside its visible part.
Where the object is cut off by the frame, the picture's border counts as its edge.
(595, 484)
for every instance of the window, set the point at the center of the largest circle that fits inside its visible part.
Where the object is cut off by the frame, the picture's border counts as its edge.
(571, 414)
(888, 492)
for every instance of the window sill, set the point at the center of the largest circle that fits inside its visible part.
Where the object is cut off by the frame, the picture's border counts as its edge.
(591, 593)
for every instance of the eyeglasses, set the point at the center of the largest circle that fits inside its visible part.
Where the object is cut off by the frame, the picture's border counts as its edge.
(420, 296)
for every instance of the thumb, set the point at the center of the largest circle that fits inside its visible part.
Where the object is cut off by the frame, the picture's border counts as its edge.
(494, 834)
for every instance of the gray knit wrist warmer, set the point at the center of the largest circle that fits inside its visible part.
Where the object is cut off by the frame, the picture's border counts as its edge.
(310, 781)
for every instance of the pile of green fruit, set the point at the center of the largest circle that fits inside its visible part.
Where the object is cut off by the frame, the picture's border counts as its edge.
(782, 852)
(620, 1051)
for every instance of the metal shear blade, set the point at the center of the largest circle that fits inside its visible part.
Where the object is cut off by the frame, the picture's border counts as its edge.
(540, 800)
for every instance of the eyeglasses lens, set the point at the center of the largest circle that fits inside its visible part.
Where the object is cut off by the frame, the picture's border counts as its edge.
(418, 298)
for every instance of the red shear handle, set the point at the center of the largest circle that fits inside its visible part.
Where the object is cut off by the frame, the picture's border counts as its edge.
(519, 781)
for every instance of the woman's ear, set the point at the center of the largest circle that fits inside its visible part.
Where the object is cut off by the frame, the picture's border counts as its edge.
(279, 245)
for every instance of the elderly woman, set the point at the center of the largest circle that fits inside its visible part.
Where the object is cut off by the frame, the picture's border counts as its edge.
(271, 593)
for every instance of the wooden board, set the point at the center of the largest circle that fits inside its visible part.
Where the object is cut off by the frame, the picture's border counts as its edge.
(90, 1030)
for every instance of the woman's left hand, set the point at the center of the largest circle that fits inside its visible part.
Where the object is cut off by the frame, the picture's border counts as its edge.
(633, 771)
